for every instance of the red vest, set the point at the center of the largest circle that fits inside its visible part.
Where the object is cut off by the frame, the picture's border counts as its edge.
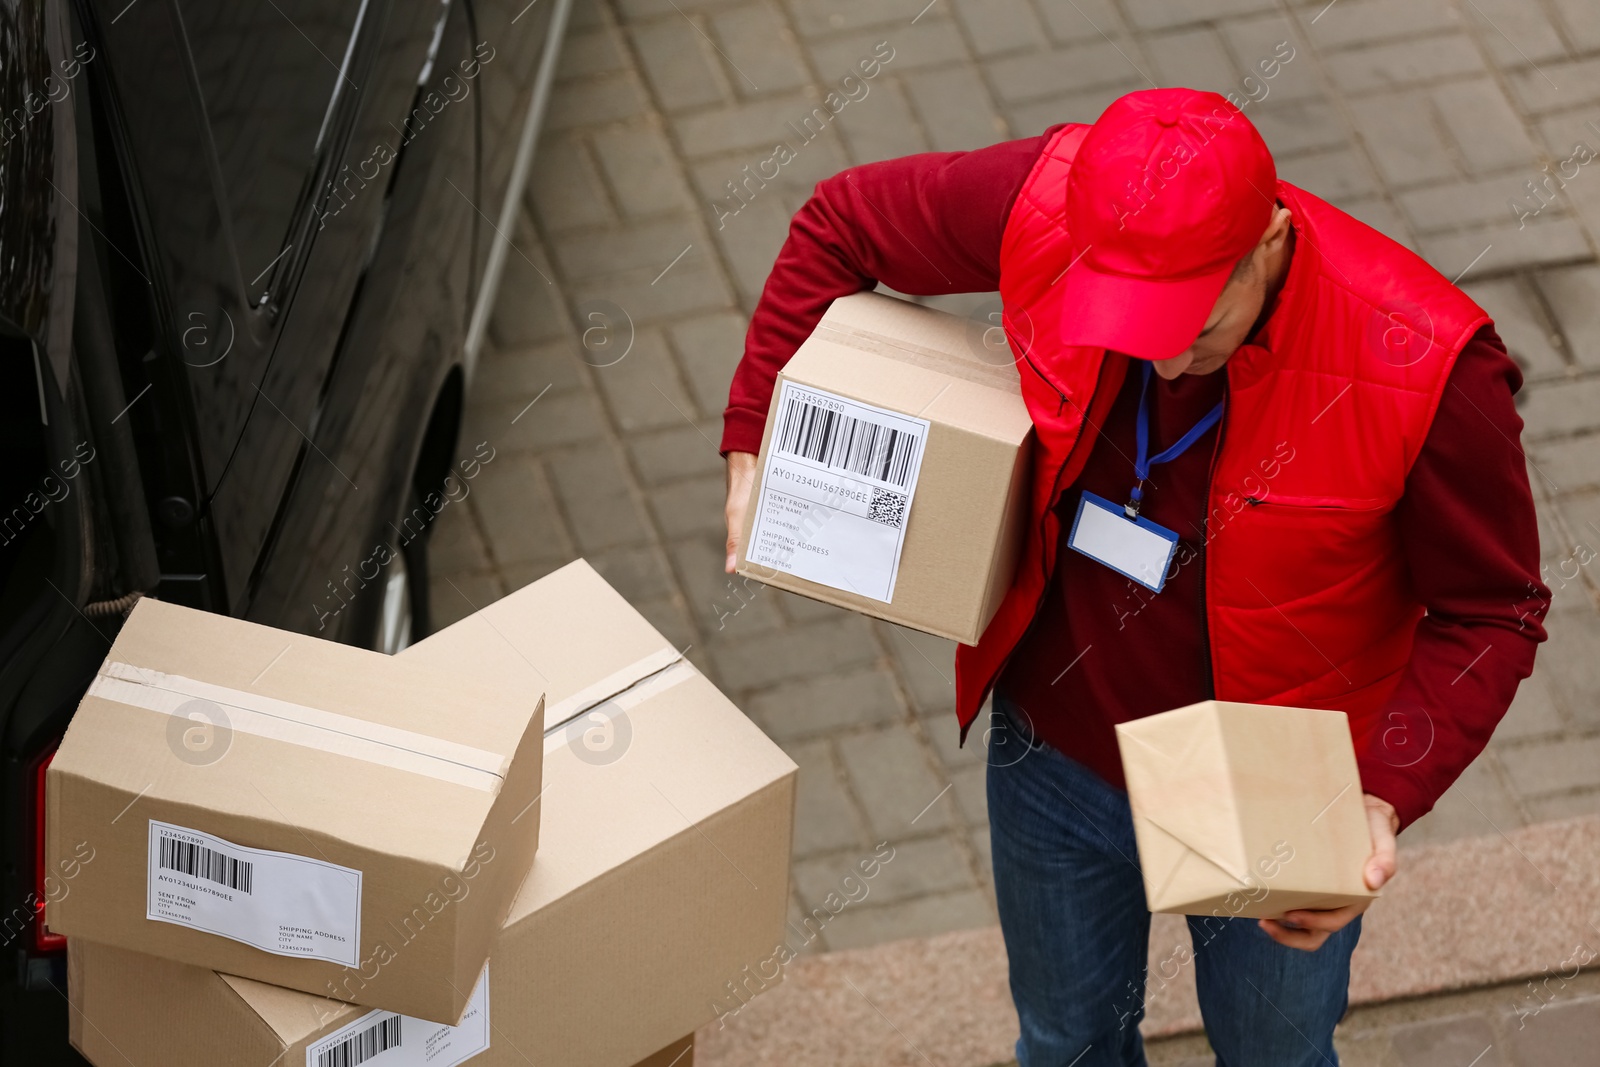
(1307, 597)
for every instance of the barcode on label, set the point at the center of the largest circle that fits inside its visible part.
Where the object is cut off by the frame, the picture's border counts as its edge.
(846, 443)
(359, 1048)
(197, 861)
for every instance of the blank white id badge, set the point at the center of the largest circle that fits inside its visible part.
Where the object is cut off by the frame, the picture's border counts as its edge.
(1138, 548)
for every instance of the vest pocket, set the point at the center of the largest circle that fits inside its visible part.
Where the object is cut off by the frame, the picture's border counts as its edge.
(1354, 505)
(1300, 546)
(1310, 531)
(1050, 387)
(1309, 593)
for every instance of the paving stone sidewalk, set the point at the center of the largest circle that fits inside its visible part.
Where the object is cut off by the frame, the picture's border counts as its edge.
(1463, 129)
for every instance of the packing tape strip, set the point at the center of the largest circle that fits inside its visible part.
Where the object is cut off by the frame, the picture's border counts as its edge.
(296, 724)
(678, 671)
(557, 714)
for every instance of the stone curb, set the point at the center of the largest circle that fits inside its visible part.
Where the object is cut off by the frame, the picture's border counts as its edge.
(1468, 913)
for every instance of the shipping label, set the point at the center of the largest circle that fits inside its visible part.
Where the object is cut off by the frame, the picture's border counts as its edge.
(836, 491)
(384, 1039)
(278, 902)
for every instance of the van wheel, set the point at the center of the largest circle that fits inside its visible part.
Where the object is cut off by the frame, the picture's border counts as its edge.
(403, 616)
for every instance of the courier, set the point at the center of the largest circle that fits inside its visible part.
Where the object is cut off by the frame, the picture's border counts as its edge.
(1274, 462)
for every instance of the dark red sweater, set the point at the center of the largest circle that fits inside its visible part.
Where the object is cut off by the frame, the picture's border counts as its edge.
(1103, 650)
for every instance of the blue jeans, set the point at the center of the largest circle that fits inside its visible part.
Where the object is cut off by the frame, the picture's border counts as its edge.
(1072, 909)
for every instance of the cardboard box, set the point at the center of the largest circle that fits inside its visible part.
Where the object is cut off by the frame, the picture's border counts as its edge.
(663, 867)
(894, 469)
(129, 1008)
(1246, 809)
(279, 806)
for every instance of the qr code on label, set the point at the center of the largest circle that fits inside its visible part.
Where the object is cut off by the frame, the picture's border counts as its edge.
(887, 508)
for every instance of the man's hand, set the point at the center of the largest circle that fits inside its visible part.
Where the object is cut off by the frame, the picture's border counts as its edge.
(741, 476)
(1308, 929)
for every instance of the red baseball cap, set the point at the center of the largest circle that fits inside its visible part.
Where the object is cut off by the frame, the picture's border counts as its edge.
(1170, 188)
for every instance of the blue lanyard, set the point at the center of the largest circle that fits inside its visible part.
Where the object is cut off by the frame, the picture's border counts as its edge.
(1144, 461)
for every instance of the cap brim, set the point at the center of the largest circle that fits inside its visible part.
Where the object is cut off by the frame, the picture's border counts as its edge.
(1137, 316)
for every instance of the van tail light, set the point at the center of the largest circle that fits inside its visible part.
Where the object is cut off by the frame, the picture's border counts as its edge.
(43, 939)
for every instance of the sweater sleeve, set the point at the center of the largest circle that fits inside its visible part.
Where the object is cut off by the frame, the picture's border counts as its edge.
(1469, 534)
(923, 225)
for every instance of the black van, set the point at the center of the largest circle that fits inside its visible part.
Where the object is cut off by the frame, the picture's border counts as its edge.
(247, 253)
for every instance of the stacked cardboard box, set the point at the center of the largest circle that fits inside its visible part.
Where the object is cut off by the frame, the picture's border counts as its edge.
(662, 872)
(342, 793)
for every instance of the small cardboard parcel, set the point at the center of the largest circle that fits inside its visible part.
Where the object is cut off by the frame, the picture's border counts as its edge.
(275, 805)
(660, 889)
(893, 471)
(1246, 809)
